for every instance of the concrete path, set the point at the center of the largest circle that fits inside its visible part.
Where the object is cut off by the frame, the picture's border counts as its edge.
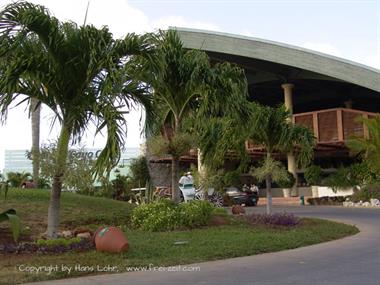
(352, 260)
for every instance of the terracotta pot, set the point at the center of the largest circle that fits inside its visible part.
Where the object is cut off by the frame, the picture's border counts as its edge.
(237, 210)
(110, 239)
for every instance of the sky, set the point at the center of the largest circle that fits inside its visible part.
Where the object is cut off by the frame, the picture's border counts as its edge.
(347, 29)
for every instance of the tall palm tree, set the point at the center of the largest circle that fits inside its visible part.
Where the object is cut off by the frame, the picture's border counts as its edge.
(86, 74)
(271, 129)
(35, 116)
(186, 83)
(369, 147)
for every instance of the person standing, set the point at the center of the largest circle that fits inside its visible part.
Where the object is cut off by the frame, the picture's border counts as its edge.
(190, 179)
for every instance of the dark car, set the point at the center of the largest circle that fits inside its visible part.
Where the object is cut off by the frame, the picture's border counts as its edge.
(239, 197)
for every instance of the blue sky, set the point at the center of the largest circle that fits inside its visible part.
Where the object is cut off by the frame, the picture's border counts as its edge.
(348, 29)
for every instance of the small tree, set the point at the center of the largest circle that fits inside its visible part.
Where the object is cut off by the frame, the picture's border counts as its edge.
(139, 172)
(184, 81)
(80, 72)
(270, 129)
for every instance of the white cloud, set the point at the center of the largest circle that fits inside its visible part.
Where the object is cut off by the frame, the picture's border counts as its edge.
(372, 60)
(246, 33)
(323, 47)
(177, 21)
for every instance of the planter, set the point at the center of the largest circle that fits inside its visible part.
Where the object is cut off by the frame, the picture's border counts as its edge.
(314, 191)
(110, 239)
(287, 192)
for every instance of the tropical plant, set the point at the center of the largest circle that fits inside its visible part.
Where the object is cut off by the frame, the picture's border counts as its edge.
(270, 128)
(357, 175)
(313, 175)
(288, 182)
(15, 224)
(16, 178)
(369, 147)
(81, 73)
(187, 86)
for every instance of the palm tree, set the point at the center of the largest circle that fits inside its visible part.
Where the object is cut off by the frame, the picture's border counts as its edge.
(369, 147)
(86, 74)
(271, 129)
(187, 83)
(35, 115)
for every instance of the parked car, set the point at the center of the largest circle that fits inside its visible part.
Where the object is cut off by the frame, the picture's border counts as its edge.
(238, 197)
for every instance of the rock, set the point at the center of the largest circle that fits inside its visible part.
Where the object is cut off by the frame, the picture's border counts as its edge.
(375, 202)
(80, 230)
(86, 235)
(238, 210)
(348, 204)
(67, 234)
(366, 204)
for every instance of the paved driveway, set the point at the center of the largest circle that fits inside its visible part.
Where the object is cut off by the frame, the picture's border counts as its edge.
(353, 260)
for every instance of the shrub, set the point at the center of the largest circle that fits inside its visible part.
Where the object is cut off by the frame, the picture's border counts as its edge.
(276, 219)
(219, 212)
(157, 216)
(164, 215)
(195, 214)
(370, 192)
(16, 178)
(313, 175)
(287, 182)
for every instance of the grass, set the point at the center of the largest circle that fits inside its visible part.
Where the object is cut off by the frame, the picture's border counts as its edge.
(155, 249)
(76, 210)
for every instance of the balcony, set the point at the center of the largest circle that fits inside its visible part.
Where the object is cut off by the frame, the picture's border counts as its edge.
(334, 126)
(331, 127)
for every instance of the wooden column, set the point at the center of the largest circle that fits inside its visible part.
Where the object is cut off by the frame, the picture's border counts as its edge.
(339, 122)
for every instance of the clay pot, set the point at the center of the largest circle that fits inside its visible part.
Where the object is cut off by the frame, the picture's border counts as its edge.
(238, 210)
(110, 239)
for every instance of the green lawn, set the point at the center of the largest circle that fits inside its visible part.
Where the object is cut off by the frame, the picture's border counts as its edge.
(155, 249)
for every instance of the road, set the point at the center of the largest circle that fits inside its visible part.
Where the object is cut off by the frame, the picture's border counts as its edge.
(352, 260)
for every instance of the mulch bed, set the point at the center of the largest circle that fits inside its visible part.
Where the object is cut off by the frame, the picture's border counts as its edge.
(26, 245)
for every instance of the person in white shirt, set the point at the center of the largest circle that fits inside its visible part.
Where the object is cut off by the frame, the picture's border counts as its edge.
(190, 179)
(183, 180)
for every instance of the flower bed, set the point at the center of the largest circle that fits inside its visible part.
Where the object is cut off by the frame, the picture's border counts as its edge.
(48, 246)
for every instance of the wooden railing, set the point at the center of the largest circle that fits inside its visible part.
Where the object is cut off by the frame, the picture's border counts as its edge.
(334, 125)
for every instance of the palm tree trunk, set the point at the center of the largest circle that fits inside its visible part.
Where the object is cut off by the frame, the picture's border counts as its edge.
(35, 112)
(54, 205)
(175, 167)
(268, 184)
(175, 188)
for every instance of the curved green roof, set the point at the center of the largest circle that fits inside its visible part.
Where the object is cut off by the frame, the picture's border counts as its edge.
(280, 53)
